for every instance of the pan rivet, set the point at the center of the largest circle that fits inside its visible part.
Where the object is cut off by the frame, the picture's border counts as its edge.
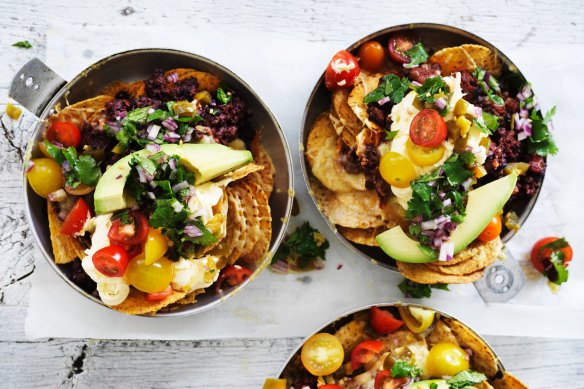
(22, 76)
(29, 81)
(36, 86)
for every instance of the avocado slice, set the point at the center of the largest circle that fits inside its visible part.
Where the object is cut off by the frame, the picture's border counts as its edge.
(483, 204)
(440, 384)
(206, 161)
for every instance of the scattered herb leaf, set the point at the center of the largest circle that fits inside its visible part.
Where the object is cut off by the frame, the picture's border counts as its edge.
(415, 290)
(432, 87)
(465, 379)
(303, 246)
(403, 369)
(389, 86)
(23, 44)
(417, 54)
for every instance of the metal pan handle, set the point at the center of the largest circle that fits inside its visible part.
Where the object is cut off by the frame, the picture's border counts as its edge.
(502, 281)
(34, 86)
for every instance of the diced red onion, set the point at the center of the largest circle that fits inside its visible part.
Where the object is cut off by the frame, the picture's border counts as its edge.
(431, 183)
(172, 77)
(442, 195)
(193, 231)
(59, 145)
(383, 101)
(153, 131)
(318, 263)
(153, 147)
(446, 252)
(189, 134)
(150, 111)
(523, 113)
(416, 83)
(169, 124)
(63, 214)
(177, 206)
(171, 137)
(466, 184)
(29, 166)
(153, 184)
(487, 76)
(440, 103)
(172, 163)
(521, 136)
(525, 93)
(478, 112)
(142, 175)
(280, 267)
(58, 195)
(429, 225)
(447, 203)
(114, 127)
(151, 195)
(180, 186)
(123, 114)
(437, 243)
(66, 166)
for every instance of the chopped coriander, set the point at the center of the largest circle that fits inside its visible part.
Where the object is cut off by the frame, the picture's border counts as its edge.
(158, 114)
(224, 97)
(302, 246)
(389, 135)
(23, 44)
(138, 115)
(417, 54)
(488, 87)
(389, 86)
(432, 87)
(433, 385)
(415, 290)
(403, 369)
(465, 379)
(541, 142)
(81, 169)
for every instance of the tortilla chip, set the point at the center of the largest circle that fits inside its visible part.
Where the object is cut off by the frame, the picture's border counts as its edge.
(136, 303)
(190, 298)
(261, 247)
(364, 138)
(453, 59)
(230, 247)
(90, 110)
(422, 274)
(346, 135)
(441, 333)
(251, 212)
(364, 236)
(238, 174)
(207, 81)
(221, 209)
(261, 157)
(479, 256)
(484, 58)
(65, 248)
(365, 84)
(322, 154)
(508, 381)
(351, 334)
(341, 109)
(394, 214)
(482, 358)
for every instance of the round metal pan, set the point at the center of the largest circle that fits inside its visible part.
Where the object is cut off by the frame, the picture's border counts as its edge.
(434, 37)
(39, 89)
(332, 326)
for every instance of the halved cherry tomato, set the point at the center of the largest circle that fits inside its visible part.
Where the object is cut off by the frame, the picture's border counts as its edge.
(428, 129)
(446, 359)
(45, 176)
(151, 278)
(322, 354)
(275, 383)
(65, 133)
(492, 230)
(111, 261)
(155, 246)
(232, 275)
(371, 55)
(364, 352)
(76, 219)
(330, 386)
(424, 156)
(383, 321)
(539, 255)
(129, 234)
(397, 47)
(396, 169)
(383, 380)
(159, 296)
(342, 71)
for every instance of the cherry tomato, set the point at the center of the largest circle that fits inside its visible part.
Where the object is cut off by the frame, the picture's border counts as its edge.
(43, 149)
(492, 230)
(159, 296)
(111, 261)
(424, 156)
(45, 176)
(371, 55)
(380, 378)
(383, 321)
(76, 219)
(397, 47)
(539, 255)
(342, 71)
(322, 354)
(232, 275)
(364, 352)
(151, 278)
(275, 383)
(330, 386)
(155, 246)
(446, 359)
(383, 380)
(428, 129)
(417, 319)
(64, 133)
(129, 234)
(134, 251)
(396, 169)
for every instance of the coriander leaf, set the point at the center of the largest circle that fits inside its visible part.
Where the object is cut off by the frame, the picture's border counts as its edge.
(441, 287)
(146, 163)
(541, 142)
(548, 116)
(158, 115)
(496, 99)
(555, 245)
(481, 125)
(138, 115)
(204, 240)
(455, 171)
(543, 148)
(165, 189)
(224, 97)
(467, 158)
(164, 216)
(417, 55)
(413, 289)
(55, 152)
(561, 273)
(479, 73)
(493, 83)
(87, 170)
(465, 379)
(389, 86)
(303, 245)
(403, 369)
(433, 385)
(427, 250)
(22, 44)
(432, 86)
(389, 135)
(491, 121)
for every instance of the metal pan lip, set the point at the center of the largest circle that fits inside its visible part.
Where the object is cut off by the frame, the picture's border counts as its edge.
(384, 304)
(305, 129)
(242, 84)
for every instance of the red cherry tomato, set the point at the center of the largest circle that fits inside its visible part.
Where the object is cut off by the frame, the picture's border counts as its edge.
(492, 230)
(383, 321)
(380, 378)
(330, 386)
(383, 380)
(397, 47)
(64, 133)
(134, 251)
(111, 261)
(371, 55)
(232, 275)
(539, 255)
(342, 71)
(428, 129)
(160, 296)
(76, 219)
(364, 352)
(131, 234)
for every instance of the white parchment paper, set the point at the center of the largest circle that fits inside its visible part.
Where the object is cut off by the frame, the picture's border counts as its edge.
(283, 71)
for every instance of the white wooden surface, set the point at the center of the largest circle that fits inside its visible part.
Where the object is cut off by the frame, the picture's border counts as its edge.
(240, 363)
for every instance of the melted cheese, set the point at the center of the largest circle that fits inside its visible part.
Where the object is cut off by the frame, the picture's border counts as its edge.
(193, 274)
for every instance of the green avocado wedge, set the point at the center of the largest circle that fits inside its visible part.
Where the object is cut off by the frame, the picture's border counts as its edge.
(438, 384)
(483, 204)
(206, 161)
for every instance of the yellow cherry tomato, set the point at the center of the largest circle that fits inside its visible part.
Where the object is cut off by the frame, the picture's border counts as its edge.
(417, 319)
(155, 246)
(446, 359)
(322, 354)
(43, 149)
(396, 169)
(151, 278)
(424, 156)
(45, 176)
(275, 383)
